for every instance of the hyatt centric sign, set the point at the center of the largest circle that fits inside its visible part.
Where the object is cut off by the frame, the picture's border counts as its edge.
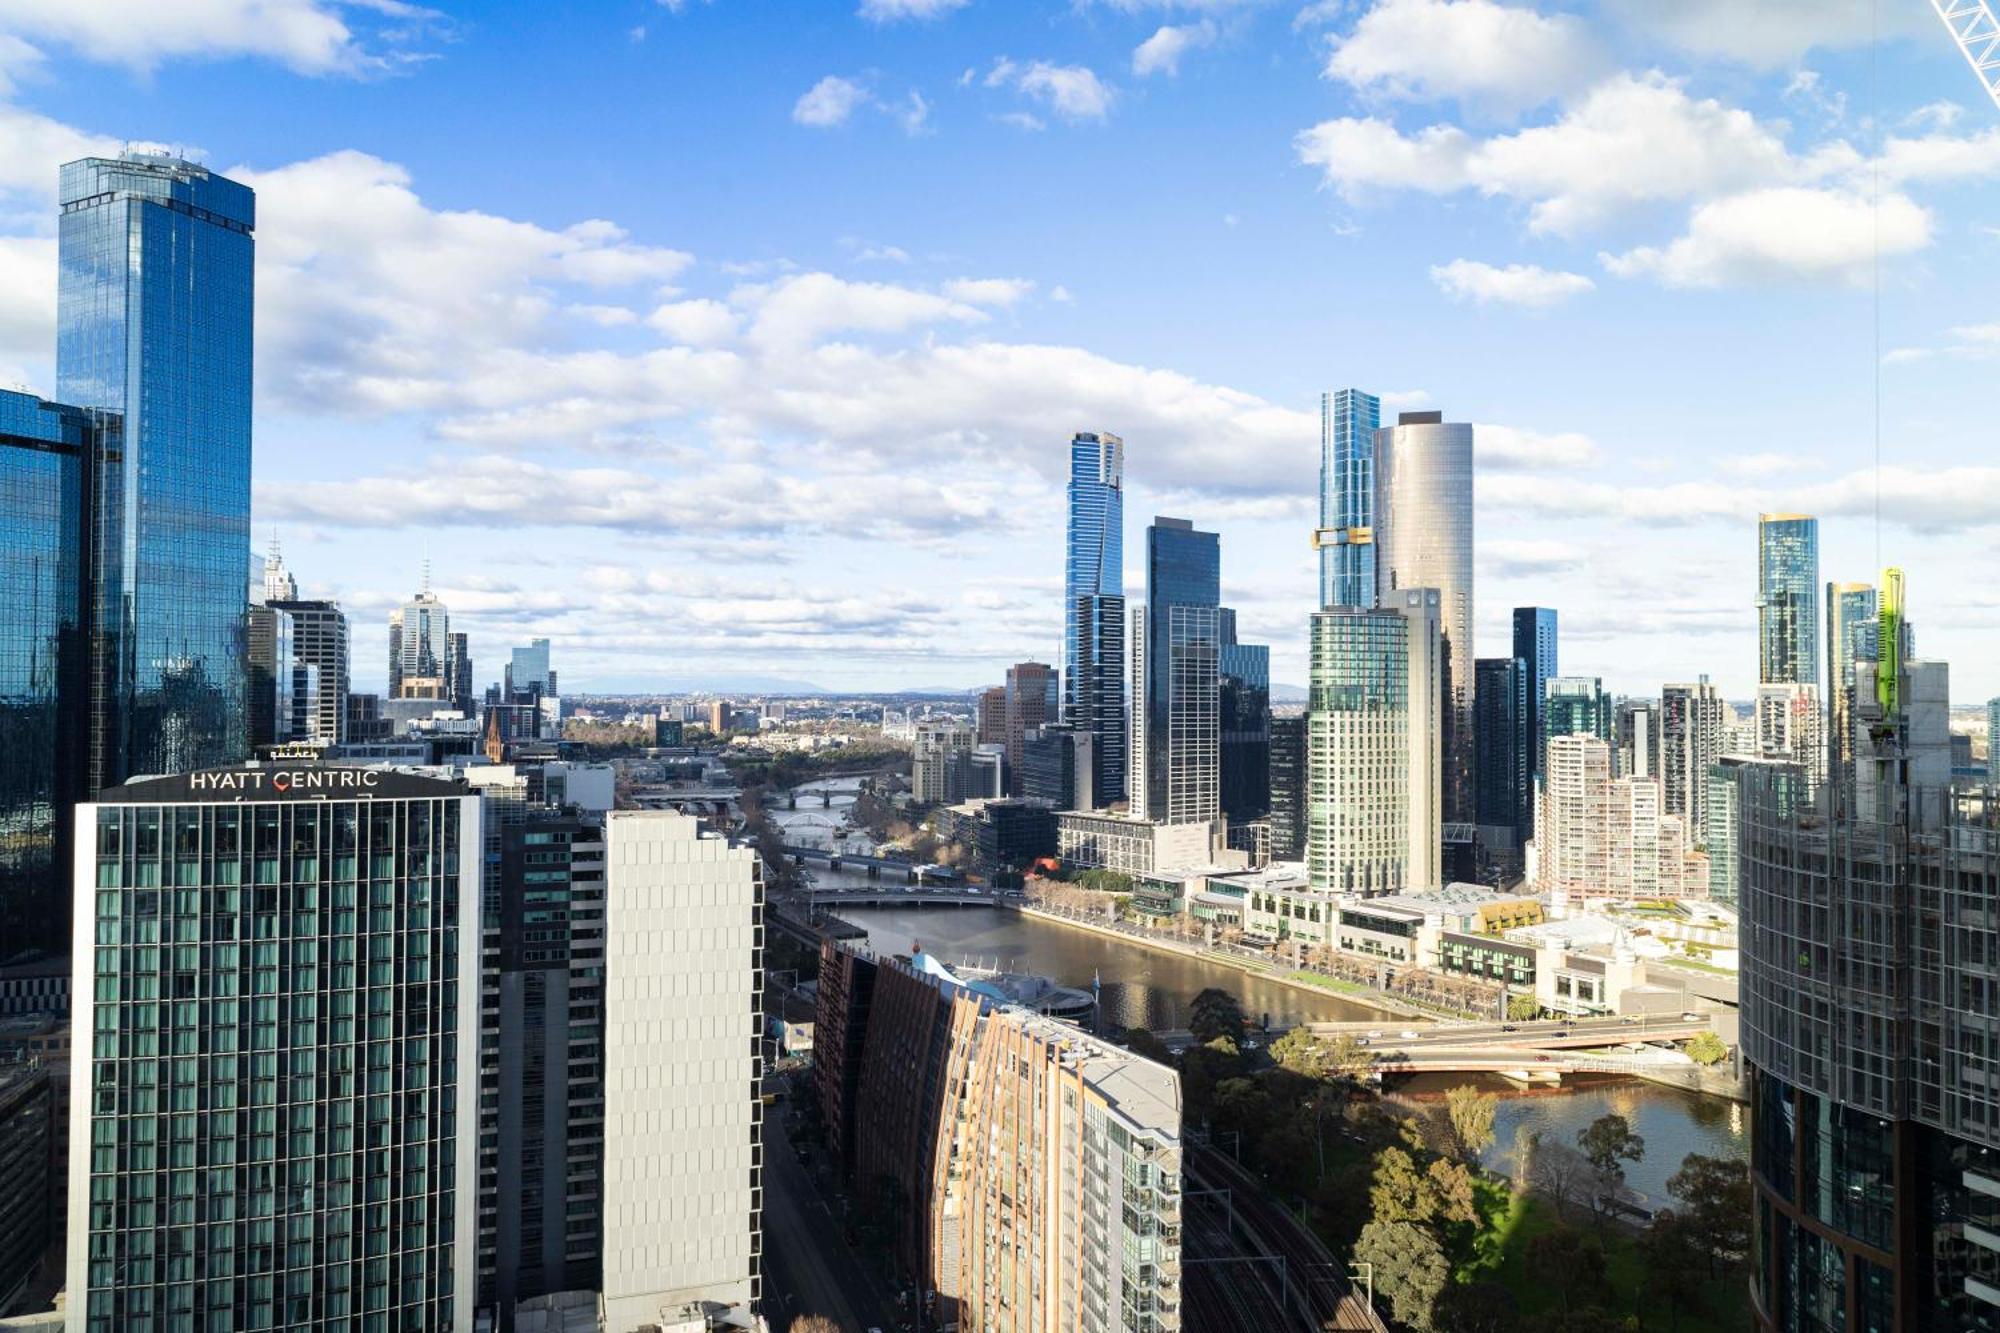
(276, 782)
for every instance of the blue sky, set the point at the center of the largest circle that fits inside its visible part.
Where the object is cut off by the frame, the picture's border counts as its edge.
(731, 339)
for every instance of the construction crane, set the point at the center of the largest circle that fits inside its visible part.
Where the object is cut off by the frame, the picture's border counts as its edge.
(1977, 33)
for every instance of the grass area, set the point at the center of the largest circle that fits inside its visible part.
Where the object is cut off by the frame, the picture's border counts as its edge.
(1333, 984)
(1696, 965)
(1516, 1219)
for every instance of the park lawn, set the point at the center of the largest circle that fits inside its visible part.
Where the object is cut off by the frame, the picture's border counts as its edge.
(1333, 983)
(1519, 1218)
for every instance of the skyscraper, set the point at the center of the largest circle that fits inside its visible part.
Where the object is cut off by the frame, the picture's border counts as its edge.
(1850, 612)
(1788, 592)
(420, 656)
(153, 324)
(1288, 787)
(49, 457)
(1576, 706)
(683, 951)
(1636, 738)
(1245, 695)
(1535, 644)
(1177, 765)
(306, 1157)
(1423, 539)
(1094, 605)
(1691, 726)
(1374, 746)
(1345, 538)
(319, 642)
(1030, 701)
(1504, 796)
(990, 716)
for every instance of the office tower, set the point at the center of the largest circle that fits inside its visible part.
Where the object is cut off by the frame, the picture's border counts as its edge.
(1374, 746)
(1504, 796)
(461, 674)
(1636, 724)
(279, 585)
(683, 955)
(268, 680)
(982, 774)
(1849, 608)
(319, 998)
(48, 465)
(1535, 640)
(1288, 788)
(1345, 538)
(420, 663)
(958, 1107)
(153, 324)
(1057, 767)
(548, 1015)
(1423, 539)
(935, 769)
(1787, 599)
(528, 669)
(1691, 738)
(1176, 651)
(1576, 706)
(1093, 680)
(1032, 701)
(1791, 725)
(1784, 781)
(1244, 693)
(319, 642)
(30, 1160)
(990, 716)
(1868, 1002)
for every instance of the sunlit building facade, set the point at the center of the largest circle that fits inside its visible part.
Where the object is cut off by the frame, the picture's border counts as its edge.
(1093, 683)
(1345, 539)
(1788, 592)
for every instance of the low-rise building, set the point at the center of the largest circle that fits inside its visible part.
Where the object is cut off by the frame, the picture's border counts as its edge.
(1006, 836)
(1109, 840)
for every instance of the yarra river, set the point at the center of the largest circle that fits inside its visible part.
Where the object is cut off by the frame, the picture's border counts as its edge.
(1151, 988)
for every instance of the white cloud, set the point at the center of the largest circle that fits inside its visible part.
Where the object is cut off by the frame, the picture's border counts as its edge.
(913, 113)
(605, 316)
(309, 36)
(1763, 464)
(988, 291)
(1477, 52)
(830, 102)
(1941, 157)
(1511, 449)
(808, 307)
(1516, 284)
(1784, 233)
(1528, 558)
(1023, 120)
(1769, 33)
(27, 311)
(32, 147)
(1161, 53)
(1071, 91)
(700, 323)
(865, 253)
(889, 11)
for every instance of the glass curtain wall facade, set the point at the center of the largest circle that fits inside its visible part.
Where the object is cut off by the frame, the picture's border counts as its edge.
(1031, 702)
(1501, 717)
(1691, 719)
(1093, 680)
(276, 996)
(1788, 591)
(1359, 781)
(48, 462)
(153, 323)
(1348, 420)
(1423, 539)
(1850, 612)
(1535, 638)
(1181, 765)
(319, 641)
(1575, 706)
(1246, 726)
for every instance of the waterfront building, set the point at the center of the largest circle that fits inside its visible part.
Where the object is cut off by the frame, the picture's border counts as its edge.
(1245, 727)
(1423, 539)
(1057, 767)
(1345, 538)
(1373, 746)
(154, 306)
(958, 1102)
(1576, 706)
(990, 716)
(1692, 718)
(1788, 591)
(1093, 677)
(939, 762)
(1281, 903)
(1288, 787)
(1501, 717)
(1636, 734)
(1535, 643)
(1032, 699)
(1850, 613)
(1112, 840)
(1005, 835)
(683, 958)
(1868, 1003)
(1176, 656)
(49, 456)
(299, 941)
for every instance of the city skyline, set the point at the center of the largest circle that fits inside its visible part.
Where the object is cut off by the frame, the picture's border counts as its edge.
(916, 368)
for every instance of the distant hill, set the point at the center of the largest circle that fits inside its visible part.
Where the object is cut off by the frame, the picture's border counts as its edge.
(1289, 694)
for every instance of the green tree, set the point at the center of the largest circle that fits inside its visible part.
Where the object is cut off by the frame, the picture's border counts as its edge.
(1475, 1307)
(1715, 1199)
(1468, 1118)
(1676, 1254)
(1607, 1144)
(1141, 1041)
(1214, 1013)
(1568, 1264)
(1410, 1269)
(1202, 1068)
(1523, 1008)
(1705, 1048)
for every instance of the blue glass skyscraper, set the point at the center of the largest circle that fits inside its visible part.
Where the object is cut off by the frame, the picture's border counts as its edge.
(1348, 421)
(1535, 645)
(1788, 599)
(1093, 684)
(153, 323)
(1181, 738)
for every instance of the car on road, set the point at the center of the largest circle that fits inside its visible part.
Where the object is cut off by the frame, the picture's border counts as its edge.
(1510, 1027)
(1560, 1032)
(1545, 1057)
(1375, 1035)
(1692, 1018)
(1628, 1018)
(1409, 1034)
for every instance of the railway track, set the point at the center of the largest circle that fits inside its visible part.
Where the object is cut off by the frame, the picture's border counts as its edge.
(1223, 1289)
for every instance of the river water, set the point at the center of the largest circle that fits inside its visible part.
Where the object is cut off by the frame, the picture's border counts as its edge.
(1150, 988)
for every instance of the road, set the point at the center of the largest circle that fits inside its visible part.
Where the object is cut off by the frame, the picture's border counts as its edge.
(808, 1266)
